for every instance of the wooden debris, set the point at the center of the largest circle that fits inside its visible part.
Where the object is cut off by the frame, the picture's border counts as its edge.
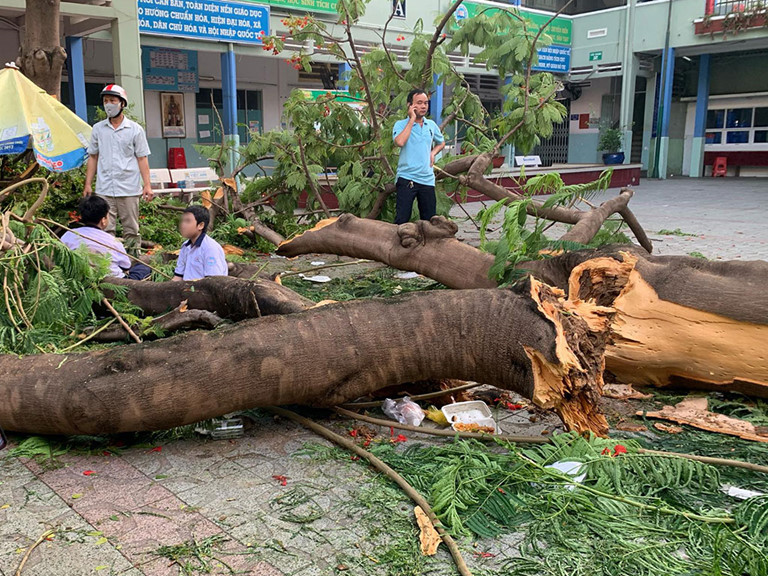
(694, 412)
(624, 392)
(428, 537)
(231, 250)
(629, 426)
(668, 428)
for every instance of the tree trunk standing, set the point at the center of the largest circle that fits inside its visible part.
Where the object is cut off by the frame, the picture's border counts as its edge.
(679, 320)
(41, 55)
(530, 341)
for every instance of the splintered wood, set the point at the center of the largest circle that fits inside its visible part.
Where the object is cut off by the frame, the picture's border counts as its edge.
(428, 537)
(694, 412)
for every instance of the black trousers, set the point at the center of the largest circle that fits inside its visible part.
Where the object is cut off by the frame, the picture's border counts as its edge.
(138, 271)
(407, 190)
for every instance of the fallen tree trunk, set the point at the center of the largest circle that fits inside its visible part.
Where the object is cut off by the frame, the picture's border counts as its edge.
(531, 341)
(680, 321)
(231, 298)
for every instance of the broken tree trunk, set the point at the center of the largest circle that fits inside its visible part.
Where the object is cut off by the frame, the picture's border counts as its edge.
(180, 318)
(531, 341)
(679, 320)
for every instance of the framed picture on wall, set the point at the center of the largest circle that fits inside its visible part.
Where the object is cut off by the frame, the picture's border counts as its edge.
(173, 117)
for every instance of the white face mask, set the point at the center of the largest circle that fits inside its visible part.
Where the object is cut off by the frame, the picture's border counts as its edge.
(112, 109)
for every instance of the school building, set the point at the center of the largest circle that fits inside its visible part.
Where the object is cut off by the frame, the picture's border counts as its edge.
(685, 80)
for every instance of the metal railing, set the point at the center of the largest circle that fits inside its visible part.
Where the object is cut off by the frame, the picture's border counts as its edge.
(725, 7)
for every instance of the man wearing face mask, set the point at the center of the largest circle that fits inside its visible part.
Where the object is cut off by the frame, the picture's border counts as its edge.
(118, 153)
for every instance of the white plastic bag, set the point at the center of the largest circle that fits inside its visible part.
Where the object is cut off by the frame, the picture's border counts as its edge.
(405, 411)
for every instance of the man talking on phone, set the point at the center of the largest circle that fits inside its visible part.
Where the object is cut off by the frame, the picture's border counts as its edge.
(420, 141)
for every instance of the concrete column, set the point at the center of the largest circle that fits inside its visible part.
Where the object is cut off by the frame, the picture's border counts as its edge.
(76, 75)
(436, 102)
(126, 56)
(628, 73)
(665, 104)
(700, 124)
(344, 69)
(229, 97)
(648, 142)
(508, 151)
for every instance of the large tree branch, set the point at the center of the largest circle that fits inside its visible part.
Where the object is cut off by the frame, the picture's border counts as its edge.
(381, 198)
(584, 221)
(680, 321)
(179, 319)
(531, 342)
(429, 248)
(231, 298)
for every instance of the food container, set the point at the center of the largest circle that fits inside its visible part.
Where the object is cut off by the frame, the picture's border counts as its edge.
(473, 412)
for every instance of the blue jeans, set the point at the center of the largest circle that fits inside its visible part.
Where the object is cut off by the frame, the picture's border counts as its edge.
(407, 191)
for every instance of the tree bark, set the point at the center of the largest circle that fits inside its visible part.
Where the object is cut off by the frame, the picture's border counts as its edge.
(41, 55)
(680, 321)
(178, 319)
(429, 248)
(531, 341)
(230, 298)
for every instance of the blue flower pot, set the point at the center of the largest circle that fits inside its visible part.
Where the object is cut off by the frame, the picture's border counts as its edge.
(611, 158)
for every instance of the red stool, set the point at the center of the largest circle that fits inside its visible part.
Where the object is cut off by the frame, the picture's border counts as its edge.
(720, 167)
(176, 158)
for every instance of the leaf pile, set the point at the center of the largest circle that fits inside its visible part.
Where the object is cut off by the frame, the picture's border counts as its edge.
(632, 513)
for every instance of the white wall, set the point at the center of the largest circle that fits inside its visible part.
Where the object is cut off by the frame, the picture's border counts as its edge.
(98, 63)
(273, 77)
(582, 145)
(690, 122)
(590, 103)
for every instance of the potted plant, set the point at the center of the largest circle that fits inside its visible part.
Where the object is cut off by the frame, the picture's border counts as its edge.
(610, 143)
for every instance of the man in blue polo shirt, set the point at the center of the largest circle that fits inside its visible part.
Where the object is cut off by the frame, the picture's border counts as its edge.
(420, 141)
(200, 255)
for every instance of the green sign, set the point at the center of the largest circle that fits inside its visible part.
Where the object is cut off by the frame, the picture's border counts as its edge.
(593, 56)
(559, 29)
(303, 5)
(338, 95)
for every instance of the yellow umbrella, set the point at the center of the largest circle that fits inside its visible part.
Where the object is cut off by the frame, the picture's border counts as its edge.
(29, 116)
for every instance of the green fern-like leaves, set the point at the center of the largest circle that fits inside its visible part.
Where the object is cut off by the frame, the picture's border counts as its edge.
(632, 513)
(523, 239)
(48, 293)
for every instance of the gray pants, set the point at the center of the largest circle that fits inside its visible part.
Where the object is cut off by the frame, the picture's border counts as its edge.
(126, 208)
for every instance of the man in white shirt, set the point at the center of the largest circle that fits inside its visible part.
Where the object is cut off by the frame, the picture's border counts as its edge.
(119, 152)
